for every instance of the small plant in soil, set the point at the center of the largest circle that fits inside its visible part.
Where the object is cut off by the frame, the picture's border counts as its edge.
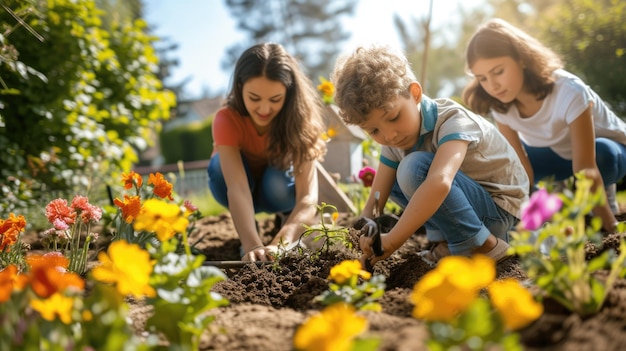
(327, 231)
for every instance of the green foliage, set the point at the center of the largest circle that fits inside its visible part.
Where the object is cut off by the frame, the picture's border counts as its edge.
(85, 99)
(183, 288)
(591, 37)
(190, 142)
(565, 274)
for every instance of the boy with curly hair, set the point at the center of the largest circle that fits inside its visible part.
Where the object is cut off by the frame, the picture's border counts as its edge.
(449, 169)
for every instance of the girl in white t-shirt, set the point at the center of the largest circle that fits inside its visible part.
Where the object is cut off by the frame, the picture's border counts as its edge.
(557, 124)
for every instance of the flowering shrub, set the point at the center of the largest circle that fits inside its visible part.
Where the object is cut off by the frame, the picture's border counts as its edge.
(564, 273)
(141, 216)
(44, 305)
(448, 299)
(345, 287)
(334, 329)
(328, 91)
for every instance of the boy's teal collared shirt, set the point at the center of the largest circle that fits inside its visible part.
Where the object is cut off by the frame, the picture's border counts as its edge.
(429, 118)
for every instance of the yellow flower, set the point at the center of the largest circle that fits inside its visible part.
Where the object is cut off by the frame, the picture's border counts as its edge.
(515, 304)
(331, 330)
(55, 305)
(127, 265)
(163, 218)
(326, 87)
(451, 287)
(344, 271)
(331, 132)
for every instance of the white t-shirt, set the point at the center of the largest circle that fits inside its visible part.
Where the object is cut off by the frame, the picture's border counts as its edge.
(550, 126)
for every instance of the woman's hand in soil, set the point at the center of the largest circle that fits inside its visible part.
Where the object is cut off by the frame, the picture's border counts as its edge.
(259, 253)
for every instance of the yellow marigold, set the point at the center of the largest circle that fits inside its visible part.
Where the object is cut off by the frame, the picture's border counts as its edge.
(131, 206)
(162, 218)
(345, 270)
(451, 287)
(515, 304)
(162, 188)
(132, 179)
(55, 305)
(334, 329)
(128, 266)
(326, 87)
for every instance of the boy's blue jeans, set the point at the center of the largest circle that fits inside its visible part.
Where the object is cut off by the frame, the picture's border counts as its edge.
(610, 158)
(274, 192)
(467, 215)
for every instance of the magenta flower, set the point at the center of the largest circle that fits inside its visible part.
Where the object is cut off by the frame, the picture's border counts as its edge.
(539, 209)
(367, 176)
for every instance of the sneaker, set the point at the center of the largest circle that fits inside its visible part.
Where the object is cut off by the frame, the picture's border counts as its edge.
(499, 252)
(611, 198)
(436, 252)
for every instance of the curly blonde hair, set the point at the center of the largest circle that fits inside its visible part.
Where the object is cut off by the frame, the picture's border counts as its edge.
(498, 38)
(370, 78)
(296, 133)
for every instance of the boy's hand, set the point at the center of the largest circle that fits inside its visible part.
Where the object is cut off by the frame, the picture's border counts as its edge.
(370, 242)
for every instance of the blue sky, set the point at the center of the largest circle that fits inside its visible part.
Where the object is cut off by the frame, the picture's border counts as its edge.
(204, 29)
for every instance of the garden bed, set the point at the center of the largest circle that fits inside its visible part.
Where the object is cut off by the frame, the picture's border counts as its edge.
(269, 302)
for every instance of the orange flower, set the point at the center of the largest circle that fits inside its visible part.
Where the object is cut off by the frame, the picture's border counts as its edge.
(10, 230)
(48, 275)
(132, 179)
(7, 280)
(130, 207)
(162, 188)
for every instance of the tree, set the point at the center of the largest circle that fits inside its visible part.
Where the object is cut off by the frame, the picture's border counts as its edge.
(445, 69)
(76, 104)
(309, 29)
(591, 38)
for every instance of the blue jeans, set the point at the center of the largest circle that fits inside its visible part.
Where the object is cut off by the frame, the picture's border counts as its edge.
(467, 215)
(610, 158)
(273, 192)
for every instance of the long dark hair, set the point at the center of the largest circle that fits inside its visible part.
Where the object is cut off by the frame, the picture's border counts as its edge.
(295, 133)
(498, 38)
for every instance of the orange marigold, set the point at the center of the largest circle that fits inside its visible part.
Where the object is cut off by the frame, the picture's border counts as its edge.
(49, 275)
(131, 206)
(10, 230)
(132, 179)
(162, 188)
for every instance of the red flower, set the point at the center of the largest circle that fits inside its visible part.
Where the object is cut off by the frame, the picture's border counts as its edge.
(367, 176)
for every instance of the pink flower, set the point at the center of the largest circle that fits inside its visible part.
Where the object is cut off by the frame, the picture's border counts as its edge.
(88, 212)
(539, 209)
(59, 210)
(189, 206)
(367, 176)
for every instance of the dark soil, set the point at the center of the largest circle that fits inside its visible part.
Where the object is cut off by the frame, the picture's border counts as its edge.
(269, 302)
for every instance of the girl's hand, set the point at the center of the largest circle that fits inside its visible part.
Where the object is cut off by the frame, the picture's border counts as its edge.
(258, 253)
